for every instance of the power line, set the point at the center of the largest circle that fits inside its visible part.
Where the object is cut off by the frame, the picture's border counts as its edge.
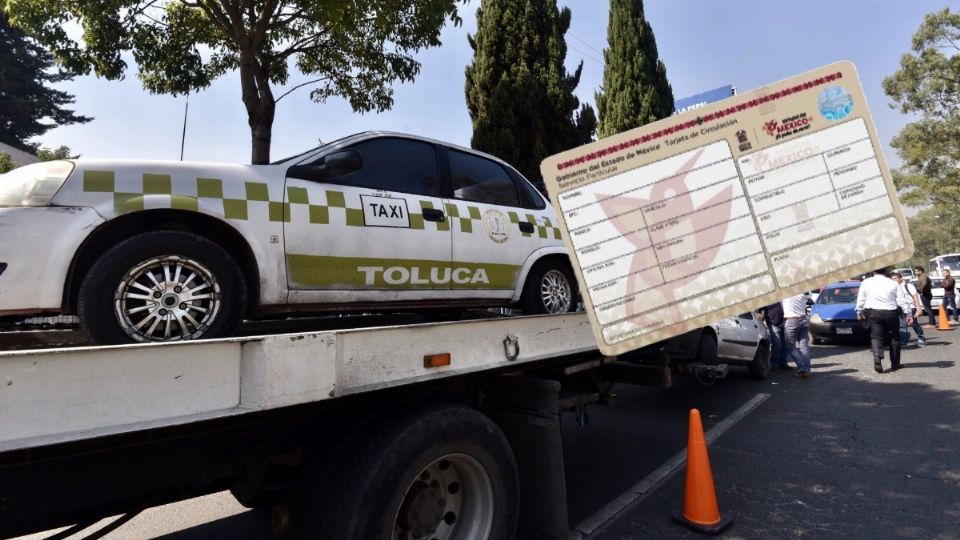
(581, 40)
(586, 54)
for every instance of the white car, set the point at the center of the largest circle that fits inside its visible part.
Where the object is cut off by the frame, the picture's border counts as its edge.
(936, 289)
(907, 274)
(165, 251)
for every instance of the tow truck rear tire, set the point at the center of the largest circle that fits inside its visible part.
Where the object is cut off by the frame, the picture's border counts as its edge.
(122, 272)
(550, 288)
(444, 472)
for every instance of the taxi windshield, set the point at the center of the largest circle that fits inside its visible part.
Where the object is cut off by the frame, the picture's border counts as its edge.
(838, 295)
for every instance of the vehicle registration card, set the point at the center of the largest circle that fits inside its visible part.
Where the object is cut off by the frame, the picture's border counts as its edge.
(726, 208)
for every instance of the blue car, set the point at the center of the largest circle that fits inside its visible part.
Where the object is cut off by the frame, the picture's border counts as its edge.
(834, 314)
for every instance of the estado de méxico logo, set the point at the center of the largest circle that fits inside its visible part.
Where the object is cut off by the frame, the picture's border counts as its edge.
(779, 129)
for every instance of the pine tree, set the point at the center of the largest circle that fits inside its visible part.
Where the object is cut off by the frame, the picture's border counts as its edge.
(28, 107)
(519, 94)
(635, 89)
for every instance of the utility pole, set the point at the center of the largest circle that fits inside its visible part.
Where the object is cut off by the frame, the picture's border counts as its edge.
(183, 137)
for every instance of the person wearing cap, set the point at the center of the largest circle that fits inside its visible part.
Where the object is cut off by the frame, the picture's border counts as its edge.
(950, 295)
(925, 290)
(877, 303)
(907, 301)
(796, 328)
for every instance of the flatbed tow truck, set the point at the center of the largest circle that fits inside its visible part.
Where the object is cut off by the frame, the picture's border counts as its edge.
(434, 431)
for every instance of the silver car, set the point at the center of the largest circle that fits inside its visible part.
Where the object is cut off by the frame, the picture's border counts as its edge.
(741, 340)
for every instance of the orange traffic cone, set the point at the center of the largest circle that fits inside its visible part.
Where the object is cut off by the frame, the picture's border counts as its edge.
(700, 511)
(942, 322)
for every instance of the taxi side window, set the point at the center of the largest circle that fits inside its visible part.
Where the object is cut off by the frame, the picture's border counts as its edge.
(481, 180)
(397, 165)
(529, 196)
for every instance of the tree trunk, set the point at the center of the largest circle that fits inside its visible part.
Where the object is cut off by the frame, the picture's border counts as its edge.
(261, 131)
(260, 105)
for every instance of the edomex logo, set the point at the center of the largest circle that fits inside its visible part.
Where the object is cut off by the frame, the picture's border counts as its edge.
(675, 243)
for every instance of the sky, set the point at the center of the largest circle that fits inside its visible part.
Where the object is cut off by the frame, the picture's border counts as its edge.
(703, 43)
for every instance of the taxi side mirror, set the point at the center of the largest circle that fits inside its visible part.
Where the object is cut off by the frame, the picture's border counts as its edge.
(335, 165)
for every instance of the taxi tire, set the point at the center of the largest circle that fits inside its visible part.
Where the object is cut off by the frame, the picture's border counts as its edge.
(531, 302)
(95, 304)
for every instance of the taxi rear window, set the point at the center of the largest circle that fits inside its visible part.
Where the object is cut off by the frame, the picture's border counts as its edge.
(481, 180)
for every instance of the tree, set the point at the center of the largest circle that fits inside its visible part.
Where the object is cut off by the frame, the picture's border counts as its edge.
(354, 49)
(928, 84)
(519, 94)
(28, 107)
(933, 234)
(7, 164)
(635, 90)
(50, 154)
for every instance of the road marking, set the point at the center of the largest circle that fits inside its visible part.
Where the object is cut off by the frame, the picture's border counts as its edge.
(658, 477)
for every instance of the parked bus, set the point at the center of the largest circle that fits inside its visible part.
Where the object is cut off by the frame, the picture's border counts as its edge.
(949, 261)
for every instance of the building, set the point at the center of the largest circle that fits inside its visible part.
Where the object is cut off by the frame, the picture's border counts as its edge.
(699, 100)
(18, 156)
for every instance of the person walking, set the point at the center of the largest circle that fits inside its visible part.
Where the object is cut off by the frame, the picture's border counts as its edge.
(877, 303)
(773, 316)
(796, 328)
(925, 290)
(950, 295)
(907, 301)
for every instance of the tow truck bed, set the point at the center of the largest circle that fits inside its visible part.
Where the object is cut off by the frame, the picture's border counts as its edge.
(91, 432)
(61, 395)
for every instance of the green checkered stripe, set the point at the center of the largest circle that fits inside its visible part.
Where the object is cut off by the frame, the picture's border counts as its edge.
(320, 213)
(125, 202)
(465, 217)
(468, 217)
(544, 230)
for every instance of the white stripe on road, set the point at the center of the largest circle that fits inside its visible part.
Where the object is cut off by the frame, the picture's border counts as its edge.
(659, 476)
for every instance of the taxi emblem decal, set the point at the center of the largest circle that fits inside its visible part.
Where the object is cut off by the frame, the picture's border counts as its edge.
(497, 225)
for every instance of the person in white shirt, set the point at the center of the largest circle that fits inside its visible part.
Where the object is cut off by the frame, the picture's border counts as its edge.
(796, 325)
(909, 302)
(877, 303)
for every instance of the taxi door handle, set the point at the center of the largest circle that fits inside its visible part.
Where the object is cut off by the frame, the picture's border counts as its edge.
(432, 214)
(526, 226)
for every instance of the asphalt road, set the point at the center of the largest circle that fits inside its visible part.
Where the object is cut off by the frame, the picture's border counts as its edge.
(846, 454)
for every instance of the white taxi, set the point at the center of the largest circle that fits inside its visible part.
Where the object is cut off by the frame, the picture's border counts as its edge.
(166, 251)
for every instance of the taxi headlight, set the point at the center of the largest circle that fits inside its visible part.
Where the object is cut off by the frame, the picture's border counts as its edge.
(33, 185)
(815, 318)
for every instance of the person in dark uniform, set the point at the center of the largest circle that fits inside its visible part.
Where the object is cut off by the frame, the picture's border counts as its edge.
(925, 289)
(877, 303)
(950, 296)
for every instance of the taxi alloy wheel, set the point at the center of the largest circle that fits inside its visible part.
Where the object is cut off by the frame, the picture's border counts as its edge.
(168, 298)
(555, 292)
(550, 289)
(162, 286)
